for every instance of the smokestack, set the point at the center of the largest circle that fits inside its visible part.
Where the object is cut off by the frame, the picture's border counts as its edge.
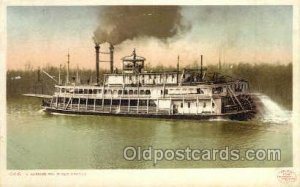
(111, 52)
(201, 68)
(97, 48)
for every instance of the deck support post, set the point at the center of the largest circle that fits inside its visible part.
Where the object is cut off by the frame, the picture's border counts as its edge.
(157, 103)
(86, 103)
(78, 103)
(148, 105)
(94, 104)
(138, 103)
(103, 97)
(51, 102)
(64, 100)
(197, 105)
(183, 105)
(170, 106)
(120, 104)
(71, 104)
(211, 102)
(128, 105)
(110, 103)
(56, 101)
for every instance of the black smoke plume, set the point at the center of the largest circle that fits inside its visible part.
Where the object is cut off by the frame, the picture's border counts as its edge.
(120, 23)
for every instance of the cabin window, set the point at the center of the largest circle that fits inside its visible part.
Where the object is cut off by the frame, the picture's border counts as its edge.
(62, 90)
(98, 102)
(75, 101)
(119, 92)
(213, 105)
(181, 105)
(82, 101)
(217, 90)
(99, 91)
(166, 91)
(125, 92)
(90, 91)
(130, 92)
(135, 92)
(80, 91)
(94, 91)
(148, 92)
(105, 91)
(161, 92)
(189, 105)
(142, 92)
(204, 104)
(85, 91)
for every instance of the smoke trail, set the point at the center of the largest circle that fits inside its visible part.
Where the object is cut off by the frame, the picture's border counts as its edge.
(120, 23)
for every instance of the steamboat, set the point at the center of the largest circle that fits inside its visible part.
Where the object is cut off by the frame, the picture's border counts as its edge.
(181, 94)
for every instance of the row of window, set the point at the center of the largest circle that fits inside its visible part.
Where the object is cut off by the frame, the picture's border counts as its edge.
(155, 76)
(106, 91)
(120, 92)
(189, 105)
(216, 90)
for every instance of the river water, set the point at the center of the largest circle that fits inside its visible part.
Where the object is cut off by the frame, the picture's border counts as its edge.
(36, 140)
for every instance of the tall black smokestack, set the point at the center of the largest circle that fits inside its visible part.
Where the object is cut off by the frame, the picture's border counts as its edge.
(201, 70)
(111, 52)
(97, 48)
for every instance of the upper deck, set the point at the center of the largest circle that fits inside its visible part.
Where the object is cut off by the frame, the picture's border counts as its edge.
(133, 81)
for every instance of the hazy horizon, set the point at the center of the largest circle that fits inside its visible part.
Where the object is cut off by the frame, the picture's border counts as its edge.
(253, 34)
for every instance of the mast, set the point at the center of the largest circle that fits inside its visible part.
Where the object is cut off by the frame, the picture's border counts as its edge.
(177, 68)
(59, 76)
(220, 61)
(68, 68)
(77, 76)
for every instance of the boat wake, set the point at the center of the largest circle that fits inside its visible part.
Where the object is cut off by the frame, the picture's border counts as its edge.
(270, 112)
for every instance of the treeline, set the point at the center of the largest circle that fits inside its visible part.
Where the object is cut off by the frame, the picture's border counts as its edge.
(272, 80)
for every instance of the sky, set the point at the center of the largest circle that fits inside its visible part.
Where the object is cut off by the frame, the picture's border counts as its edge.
(42, 36)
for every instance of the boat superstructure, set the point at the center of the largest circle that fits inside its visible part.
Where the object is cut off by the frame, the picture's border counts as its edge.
(186, 94)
